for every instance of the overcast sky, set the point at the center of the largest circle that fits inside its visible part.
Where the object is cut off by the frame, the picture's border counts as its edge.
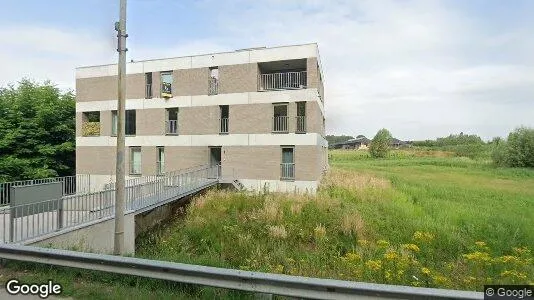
(422, 69)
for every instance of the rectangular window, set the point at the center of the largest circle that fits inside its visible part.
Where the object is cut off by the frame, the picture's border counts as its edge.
(135, 160)
(129, 120)
(301, 117)
(160, 160)
(166, 84)
(171, 124)
(91, 123)
(224, 114)
(148, 85)
(280, 118)
(287, 167)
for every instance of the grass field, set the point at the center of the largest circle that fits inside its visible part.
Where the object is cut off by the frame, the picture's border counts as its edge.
(421, 218)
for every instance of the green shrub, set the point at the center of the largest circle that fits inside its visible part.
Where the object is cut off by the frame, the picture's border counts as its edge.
(379, 147)
(517, 151)
(469, 150)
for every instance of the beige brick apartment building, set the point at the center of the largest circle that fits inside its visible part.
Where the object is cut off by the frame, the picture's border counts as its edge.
(258, 113)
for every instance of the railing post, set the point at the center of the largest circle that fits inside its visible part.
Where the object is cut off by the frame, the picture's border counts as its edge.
(59, 213)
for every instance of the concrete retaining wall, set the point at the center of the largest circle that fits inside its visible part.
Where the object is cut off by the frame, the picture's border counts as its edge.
(96, 238)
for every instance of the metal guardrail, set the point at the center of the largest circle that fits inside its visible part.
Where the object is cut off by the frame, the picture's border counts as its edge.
(280, 124)
(171, 127)
(283, 80)
(274, 284)
(301, 124)
(28, 221)
(224, 125)
(80, 183)
(287, 171)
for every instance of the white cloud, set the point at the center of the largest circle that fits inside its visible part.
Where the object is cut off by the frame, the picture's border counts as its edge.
(417, 67)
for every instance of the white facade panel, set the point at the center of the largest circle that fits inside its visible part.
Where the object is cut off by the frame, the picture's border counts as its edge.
(308, 139)
(206, 60)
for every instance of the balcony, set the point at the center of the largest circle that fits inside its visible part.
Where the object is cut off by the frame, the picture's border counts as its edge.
(280, 124)
(301, 124)
(287, 171)
(283, 81)
(171, 127)
(91, 129)
(224, 126)
(213, 86)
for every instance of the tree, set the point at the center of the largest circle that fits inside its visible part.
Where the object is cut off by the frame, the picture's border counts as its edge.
(379, 147)
(517, 150)
(37, 131)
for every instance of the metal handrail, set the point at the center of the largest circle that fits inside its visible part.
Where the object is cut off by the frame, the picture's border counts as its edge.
(287, 171)
(28, 221)
(80, 183)
(283, 80)
(224, 125)
(258, 282)
(280, 124)
(301, 124)
(171, 127)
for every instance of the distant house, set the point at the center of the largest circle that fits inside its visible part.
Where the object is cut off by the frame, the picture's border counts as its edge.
(362, 143)
(358, 143)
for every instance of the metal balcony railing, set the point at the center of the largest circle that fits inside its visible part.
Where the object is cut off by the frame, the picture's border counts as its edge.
(76, 207)
(91, 129)
(283, 81)
(280, 124)
(80, 183)
(224, 125)
(287, 171)
(213, 86)
(171, 127)
(301, 124)
(148, 91)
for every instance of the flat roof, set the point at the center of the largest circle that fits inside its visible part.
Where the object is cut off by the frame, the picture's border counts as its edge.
(203, 54)
(239, 56)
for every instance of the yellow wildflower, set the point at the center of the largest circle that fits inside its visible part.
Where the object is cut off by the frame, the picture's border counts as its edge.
(477, 256)
(382, 243)
(279, 269)
(411, 247)
(509, 258)
(469, 279)
(423, 236)
(363, 243)
(440, 280)
(425, 271)
(374, 265)
(480, 244)
(521, 250)
(390, 255)
(351, 256)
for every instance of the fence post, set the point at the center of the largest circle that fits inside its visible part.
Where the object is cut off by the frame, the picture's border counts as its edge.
(60, 213)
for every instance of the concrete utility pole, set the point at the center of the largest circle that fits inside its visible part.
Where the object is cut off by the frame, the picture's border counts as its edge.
(120, 27)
